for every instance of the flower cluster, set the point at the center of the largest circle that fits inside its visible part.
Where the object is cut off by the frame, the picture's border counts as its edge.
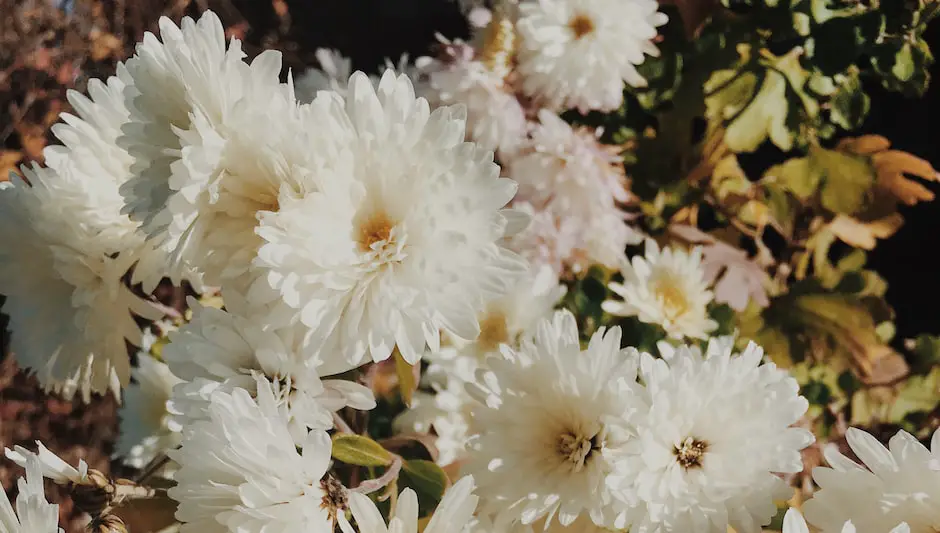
(415, 300)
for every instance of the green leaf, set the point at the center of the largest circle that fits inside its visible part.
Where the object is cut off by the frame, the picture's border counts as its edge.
(843, 180)
(847, 179)
(917, 393)
(427, 480)
(797, 175)
(359, 450)
(904, 66)
(925, 352)
(816, 392)
(850, 105)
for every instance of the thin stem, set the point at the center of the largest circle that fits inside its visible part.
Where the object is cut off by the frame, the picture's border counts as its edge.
(371, 485)
(152, 468)
(341, 424)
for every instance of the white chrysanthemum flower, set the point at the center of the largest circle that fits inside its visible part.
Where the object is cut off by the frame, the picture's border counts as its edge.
(182, 92)
(578, 186)
(582, 524)
(900, 483)
(236, 171)
(793, 522)
(549, 240)
(568, 169)
(400, 239)
(92, 166)
(332, 74)
(50, 464)
(454, 511)
(503, 322)
(668, 288)
(571, 244)
(218, 350)
(146, 427)
(495, 118)
(717, 433)
(241, 471)
(579, 53)
(548, 417)
(70, 312)
(33, 513)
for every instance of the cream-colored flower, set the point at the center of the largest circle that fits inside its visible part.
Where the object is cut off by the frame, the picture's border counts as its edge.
(665, 287)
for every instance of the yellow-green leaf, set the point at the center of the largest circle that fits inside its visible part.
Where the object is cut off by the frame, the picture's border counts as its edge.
(917, 393)
(408, 376)
(797, 175)
(846, 179)
(842, 180)
(728, 179)
(359, 450)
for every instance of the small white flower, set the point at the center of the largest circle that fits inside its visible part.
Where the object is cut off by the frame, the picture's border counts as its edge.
(50, 465)
(666, 288)
(451, 515)
(399, 238)
(568, 169)
(495, 118)
(548, 416)
(33, 513)
(579, 53)
(576, 187)
(506, 319)
(180, 92)
(504, 322)
(793, 522)
(218, 350)
(717, 432)
(70, 312)
(241, 471)
(900, 483)
(146, 428)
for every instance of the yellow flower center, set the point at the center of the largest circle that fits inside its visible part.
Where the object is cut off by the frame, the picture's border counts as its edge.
(581, 25)
(494, 330)
(575, 448)
(674, 301)
(690, 453)
(376, 228)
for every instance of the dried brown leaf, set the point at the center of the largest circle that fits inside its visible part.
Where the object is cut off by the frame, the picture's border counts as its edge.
(104, 45)
(892, 165)
(864, 145)
(864, 234)
(887, 369)
(892, 168)
(8, 161)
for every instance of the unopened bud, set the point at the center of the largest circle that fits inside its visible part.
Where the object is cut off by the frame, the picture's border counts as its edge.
(95, 494)
(107, 523)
